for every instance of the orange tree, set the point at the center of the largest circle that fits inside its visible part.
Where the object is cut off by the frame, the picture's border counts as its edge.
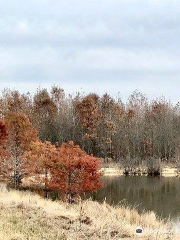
(21, 134)
(74, 172)
(40, 160)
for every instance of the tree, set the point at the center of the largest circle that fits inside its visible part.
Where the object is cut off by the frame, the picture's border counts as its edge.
(163, 129)
(87, 112)
(65, 121)
(45, 115)
(21, 134)
(13, 101)
(106, 128)
(40, 160)
(74, 172)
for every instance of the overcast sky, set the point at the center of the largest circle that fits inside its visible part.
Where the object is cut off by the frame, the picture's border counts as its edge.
(92, 46)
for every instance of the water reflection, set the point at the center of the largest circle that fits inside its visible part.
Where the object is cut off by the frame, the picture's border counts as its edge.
(158, 194)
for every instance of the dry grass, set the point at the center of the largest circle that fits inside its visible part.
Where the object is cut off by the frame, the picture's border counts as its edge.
(169, 171)
(112, 171)
(25, 215)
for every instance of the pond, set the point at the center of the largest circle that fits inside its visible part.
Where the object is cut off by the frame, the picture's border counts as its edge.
(158, 194)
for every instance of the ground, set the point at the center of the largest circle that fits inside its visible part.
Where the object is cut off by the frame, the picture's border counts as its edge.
(25, 215)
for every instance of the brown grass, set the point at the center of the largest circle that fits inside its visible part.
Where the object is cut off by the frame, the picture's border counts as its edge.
(25, 215)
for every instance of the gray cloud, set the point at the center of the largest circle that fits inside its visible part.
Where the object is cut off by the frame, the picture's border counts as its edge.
(93, 45)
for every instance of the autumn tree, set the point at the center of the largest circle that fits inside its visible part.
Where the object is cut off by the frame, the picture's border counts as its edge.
(40, 160)
(13, 101)
(87, 112)
(44, 115)
(75, 172)
(21, 134)
(106, 127)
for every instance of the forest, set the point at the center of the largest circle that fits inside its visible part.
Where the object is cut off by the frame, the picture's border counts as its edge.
(61, 141)
(132, 132)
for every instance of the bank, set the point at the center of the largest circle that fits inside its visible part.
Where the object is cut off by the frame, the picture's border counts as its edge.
(25, 215)
(165, 171)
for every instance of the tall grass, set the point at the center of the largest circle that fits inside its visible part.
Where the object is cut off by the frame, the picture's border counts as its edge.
(25, 215)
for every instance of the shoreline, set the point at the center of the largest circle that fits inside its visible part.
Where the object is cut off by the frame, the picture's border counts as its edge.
(116, 171)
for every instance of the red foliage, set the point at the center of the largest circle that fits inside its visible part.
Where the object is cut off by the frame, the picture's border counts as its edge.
(87, 111)
(75, 172)
(40, 160)
(66, 169)
(3, 138)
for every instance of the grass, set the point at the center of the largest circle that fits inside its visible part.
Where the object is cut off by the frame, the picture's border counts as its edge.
(27, 216)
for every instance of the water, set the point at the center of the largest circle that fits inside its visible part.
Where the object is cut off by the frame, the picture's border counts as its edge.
(158, 194)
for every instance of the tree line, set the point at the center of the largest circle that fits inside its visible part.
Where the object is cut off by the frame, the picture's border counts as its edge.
(132, 132)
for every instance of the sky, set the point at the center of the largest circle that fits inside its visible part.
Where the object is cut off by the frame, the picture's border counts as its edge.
(114, 46)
